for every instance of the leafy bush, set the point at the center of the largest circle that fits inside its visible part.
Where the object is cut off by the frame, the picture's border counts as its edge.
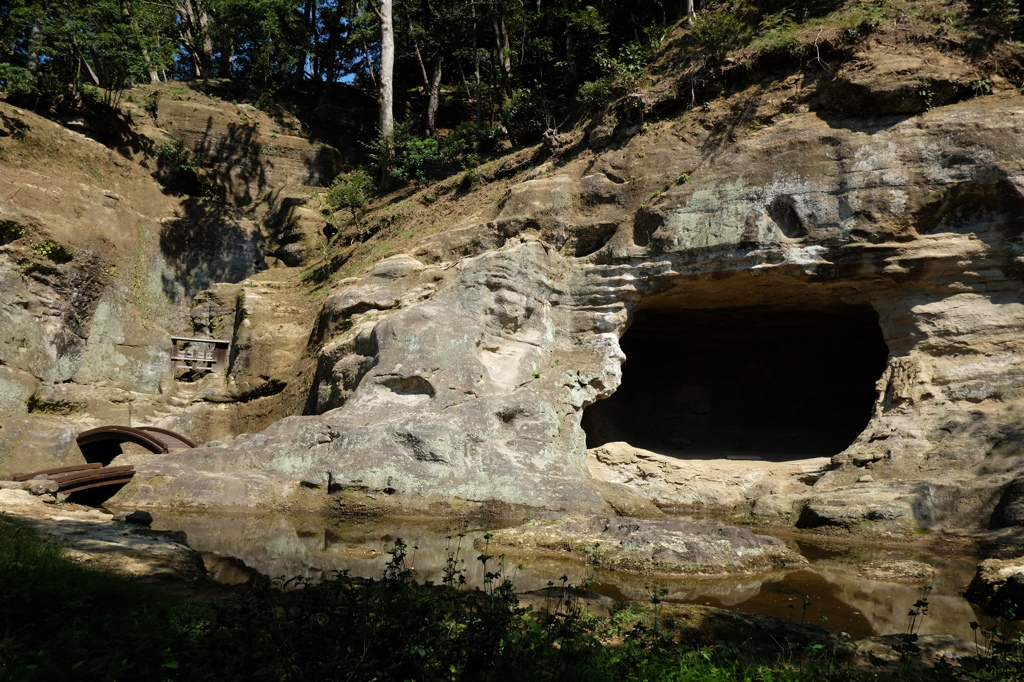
(351, 191)
(420, 159)
(462, 147)
(14, 79)
(1004, 14)
(593, 95)
(720, 30)
(525, 115)
(177, 170)
(777, 34)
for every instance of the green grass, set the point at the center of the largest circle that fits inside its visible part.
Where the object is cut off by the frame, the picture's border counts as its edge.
(60, 620)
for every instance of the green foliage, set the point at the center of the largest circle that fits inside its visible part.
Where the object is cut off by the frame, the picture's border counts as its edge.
(176, 169)
(407, 157)
(462, 147)
(721, 30)
(174, 155)
(52, 48)
(10, 231)
(48, 248)
(39, 642)
(268, 38)
(390, 629)
(61, 407)
(1003, 14)
(777, 34)
(526, 115)
(351, 191)
(16, 79)
(420, 159)
(593, 95)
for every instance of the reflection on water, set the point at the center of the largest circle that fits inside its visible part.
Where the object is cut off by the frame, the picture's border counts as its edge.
(236, 547)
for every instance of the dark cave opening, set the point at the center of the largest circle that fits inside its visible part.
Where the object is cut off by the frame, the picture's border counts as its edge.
(771, 382)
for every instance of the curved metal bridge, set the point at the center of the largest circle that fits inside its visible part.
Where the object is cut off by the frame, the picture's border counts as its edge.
(103, 444)
(100, 446)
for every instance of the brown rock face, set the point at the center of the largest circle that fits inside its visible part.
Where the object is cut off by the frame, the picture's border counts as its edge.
(823, 287)
(247, 160)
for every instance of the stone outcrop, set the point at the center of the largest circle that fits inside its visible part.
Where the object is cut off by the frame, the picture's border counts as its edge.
(839, 283)
(461, 372)
(96, 539)
(33, 444)
(244, 152)
(998, 587)
(98, 267)
(668, 546)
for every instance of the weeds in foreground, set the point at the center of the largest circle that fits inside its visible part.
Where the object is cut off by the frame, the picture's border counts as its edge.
(59, 619)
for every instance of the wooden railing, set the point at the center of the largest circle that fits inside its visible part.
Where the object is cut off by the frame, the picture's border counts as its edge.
(199, 355)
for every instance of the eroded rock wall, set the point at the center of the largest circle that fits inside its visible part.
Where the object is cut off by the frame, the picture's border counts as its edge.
(460, 372)
(98, 267)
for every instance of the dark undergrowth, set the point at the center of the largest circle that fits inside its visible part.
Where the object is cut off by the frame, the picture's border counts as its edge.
(60, 620)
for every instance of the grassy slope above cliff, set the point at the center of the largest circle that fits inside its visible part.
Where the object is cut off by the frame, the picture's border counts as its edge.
(732, 72)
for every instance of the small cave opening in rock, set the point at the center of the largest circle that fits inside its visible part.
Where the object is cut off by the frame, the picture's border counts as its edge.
(765, 382)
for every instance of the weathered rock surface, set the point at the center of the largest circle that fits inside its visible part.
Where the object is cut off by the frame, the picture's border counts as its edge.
(247, 154)
(687, 482)
(669, 546)
(99, 267)
(899, 571)
(477, 368)
(33, 444)
(1009, 512)
(94, 538)
(998, 587)
(461, 373)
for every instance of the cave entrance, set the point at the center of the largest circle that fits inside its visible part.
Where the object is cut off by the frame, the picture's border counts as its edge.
(762, 382)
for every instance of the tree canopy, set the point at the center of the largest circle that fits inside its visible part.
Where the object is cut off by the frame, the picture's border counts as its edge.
(463, 71)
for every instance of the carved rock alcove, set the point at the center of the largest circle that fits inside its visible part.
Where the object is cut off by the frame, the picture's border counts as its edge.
(769, 381)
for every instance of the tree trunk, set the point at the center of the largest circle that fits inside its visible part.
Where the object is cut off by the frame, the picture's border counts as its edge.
(476, 72)
(419, 55)
(195, 36)
(502, 49)
(387, 87)
(689, 11)
(33, 57)
(569, 42)
(436, 62)
(387, 68)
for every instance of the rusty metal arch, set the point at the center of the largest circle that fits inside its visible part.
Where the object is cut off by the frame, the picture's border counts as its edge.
(172, 440)
(103, 444)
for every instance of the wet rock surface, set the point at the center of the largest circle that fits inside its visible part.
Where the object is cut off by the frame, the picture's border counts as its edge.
(657, 546)
(96, 539)
(998, 587)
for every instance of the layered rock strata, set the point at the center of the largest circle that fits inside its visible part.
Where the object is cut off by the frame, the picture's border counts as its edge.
(459, 374)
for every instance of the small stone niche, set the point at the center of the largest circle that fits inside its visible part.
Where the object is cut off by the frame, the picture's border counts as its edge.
(759, 382)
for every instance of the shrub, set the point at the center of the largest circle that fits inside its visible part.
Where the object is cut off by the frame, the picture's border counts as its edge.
(15, 79)
(525, 115)
(10, 231)
(351, 191)
(462, 147)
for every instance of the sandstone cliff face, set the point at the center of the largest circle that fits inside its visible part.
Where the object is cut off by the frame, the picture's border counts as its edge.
(98, 267)
(463, 372)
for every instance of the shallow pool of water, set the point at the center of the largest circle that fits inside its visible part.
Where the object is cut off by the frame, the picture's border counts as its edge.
(237, 547)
